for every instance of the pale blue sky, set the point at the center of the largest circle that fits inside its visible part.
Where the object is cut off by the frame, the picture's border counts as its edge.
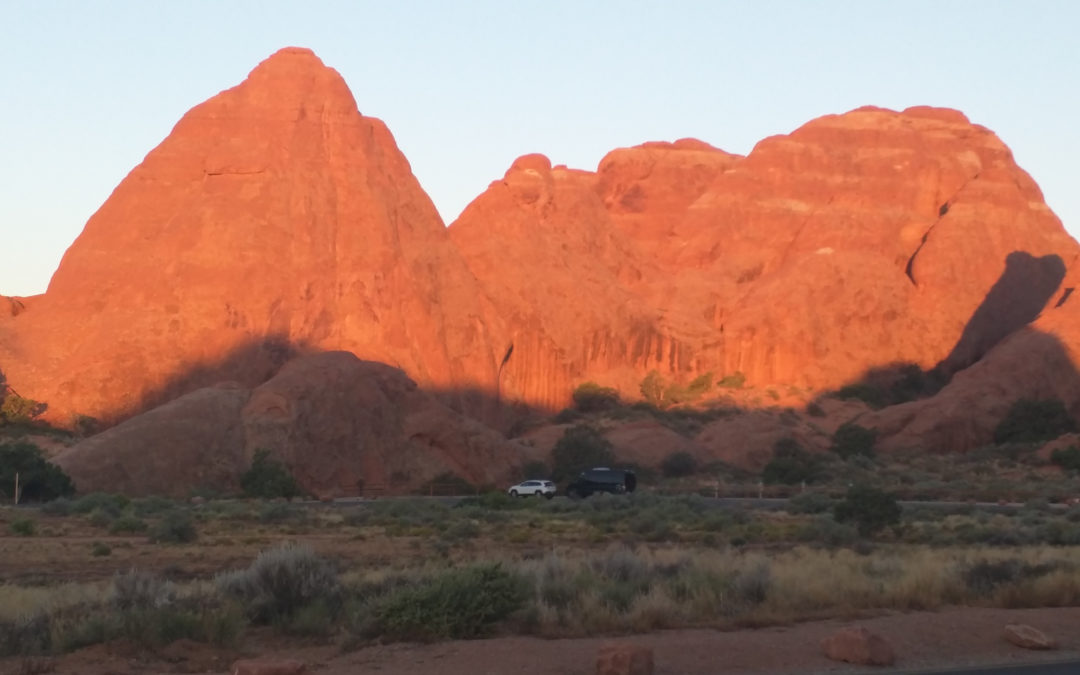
(88, 88)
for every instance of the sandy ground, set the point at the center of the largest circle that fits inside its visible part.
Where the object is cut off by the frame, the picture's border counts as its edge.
(955, 637)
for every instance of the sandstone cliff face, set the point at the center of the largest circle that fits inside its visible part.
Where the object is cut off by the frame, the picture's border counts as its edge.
(277, 221)
(274, 219)
(340, 424)
(857, 242)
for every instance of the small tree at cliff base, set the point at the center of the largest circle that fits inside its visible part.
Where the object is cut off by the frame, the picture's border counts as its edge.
(581, 447)
(268, 478)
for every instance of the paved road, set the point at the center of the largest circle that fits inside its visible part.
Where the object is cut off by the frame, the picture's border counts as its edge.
(1057, 668)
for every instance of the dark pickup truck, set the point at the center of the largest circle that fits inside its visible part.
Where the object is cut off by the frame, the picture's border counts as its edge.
(602, 479)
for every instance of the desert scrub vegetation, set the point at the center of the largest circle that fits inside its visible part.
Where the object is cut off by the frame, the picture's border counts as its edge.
(561, 593)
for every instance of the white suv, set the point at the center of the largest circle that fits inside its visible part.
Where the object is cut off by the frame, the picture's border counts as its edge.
(540, 488)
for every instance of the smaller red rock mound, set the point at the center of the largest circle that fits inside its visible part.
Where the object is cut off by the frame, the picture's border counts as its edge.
(340, 424)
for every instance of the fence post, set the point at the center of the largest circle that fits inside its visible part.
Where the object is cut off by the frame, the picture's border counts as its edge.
(16, 488)
(760, 489)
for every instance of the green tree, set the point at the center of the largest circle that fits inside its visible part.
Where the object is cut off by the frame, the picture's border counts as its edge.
(591, 397)
(871, 509)
(16, 409)
(679, 464)
(790, 464)
(1067, 458)
(39, 479)
(652, 388)
(1034, 421)
(268, 478)
(581, 447)
(851, 439)
(735, 380)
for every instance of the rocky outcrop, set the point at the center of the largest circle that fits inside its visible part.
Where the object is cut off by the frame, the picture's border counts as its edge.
(858, 645)
(273, 220)
(340, 424)
(1028, 637)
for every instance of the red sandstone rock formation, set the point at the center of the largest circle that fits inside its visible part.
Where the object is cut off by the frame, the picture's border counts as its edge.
(274, 219)
(340, 424)
(277, 220)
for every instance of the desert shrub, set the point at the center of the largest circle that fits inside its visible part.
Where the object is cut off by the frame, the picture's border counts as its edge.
(566, 416)
(447, 483)
(277, 512)
(735, 380)
(57, 507)
(23, 527)
(809, 502)
(790, 464)
(825, 530)
(136, 589)
(679, 464)
(17, 409)
(176, 527)
(581, 447)
(591, 397)
(29, 634)
(99, 549)
(751, 585)
(268, 478)
(1033, 421)
(652, 388)
(852, 440)
(985, 576)
(869, 394)
(127, 525)
(280, 582)
(457, 604)
(114, 505)
(534, 470)
(1067, 458)
(39, 479)
(870, 509)
(815, 410)
(151, 506)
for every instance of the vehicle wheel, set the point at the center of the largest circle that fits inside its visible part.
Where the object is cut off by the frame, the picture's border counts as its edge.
(549, 495)
(513, 493)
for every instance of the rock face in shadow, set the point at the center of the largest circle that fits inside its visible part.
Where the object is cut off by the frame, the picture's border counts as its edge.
(340, 424)
(274, 215)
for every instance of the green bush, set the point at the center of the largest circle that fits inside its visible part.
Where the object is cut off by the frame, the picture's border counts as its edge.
(870, 509)
(127, 525)
(281, 582)
(591, 397)
(114, 505)
(457, 604)
(679, 464)
(852, 440)
(790, 464)
(1067, 458)
(581, 447)
(99, 549)
(23, 527)
(810, 502)
(16, 409)
(652, 388)
(175, 528)
(268, 478)
(868, 393)
(1034, 421)
(534, 470)
(39, 479)
(735, 380)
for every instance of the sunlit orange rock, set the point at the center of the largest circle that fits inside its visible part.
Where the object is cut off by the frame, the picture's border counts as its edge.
(274, 219)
